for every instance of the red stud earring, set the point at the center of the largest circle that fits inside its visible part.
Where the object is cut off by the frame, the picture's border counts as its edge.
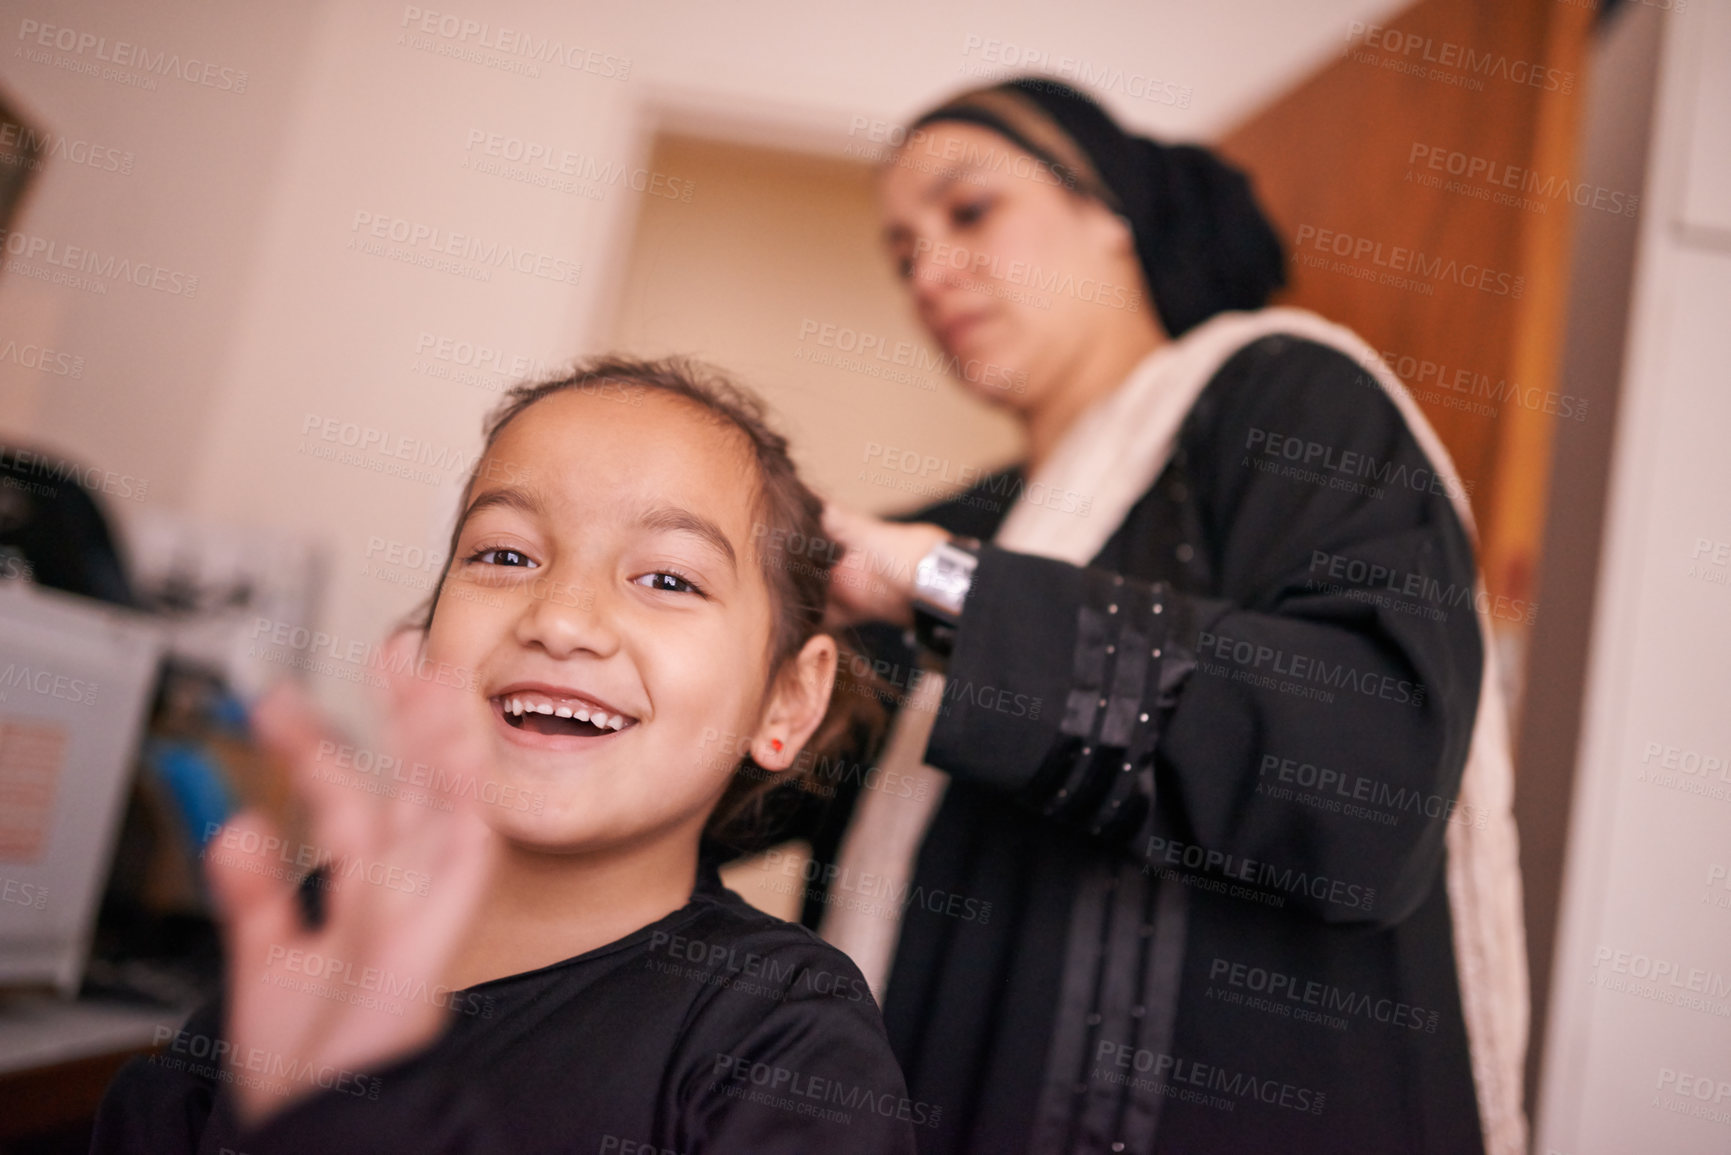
(775, 744)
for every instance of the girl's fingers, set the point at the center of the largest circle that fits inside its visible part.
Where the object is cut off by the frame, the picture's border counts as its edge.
(259, 913)
(465, 850)
(254, 892)
(345, 826)
(378, 843)
(291, 727)
(405, 878)
(401, 655)
(286, 722)
(436, 719)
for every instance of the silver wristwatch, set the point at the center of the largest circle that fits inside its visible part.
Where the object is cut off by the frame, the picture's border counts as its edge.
(941, 584)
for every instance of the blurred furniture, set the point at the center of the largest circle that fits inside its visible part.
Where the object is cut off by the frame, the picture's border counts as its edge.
(75, 680)
(56, 1058)
(20, 157)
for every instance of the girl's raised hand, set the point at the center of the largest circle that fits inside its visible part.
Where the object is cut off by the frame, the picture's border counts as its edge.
(320, 1007)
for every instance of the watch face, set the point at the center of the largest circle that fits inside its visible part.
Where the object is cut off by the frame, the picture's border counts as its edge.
(944, 576)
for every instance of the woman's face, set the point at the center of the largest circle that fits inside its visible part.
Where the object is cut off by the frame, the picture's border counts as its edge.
(606, 567)
(1013, 275)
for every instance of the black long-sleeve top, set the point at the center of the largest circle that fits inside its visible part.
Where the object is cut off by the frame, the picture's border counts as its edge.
(715, 1029)
(1200, 788)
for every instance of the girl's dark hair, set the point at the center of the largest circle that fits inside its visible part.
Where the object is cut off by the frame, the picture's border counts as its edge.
(796, 560)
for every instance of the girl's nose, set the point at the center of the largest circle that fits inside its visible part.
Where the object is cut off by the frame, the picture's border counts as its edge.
(564, 618)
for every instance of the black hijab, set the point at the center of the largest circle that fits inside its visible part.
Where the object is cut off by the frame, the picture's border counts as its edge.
(1203, 242)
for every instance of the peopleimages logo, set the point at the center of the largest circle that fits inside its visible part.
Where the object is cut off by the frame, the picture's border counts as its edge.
(43, 360)
(273, 851)
(940, 255)
(209, 1057)
(497, 149)
(1254, 656)
(1190, 856)
(1468, 390)
(24, 893)
(1400, 259)
(904, 353)
(31, 248)
(1493, 177)
(54, 472)
(1122, 1063)
(461, 32)
(463, 354)
(1325, 996)
(1458, 64)
(1340, 792)
(740, 1071)
(424, 244)
(371, 444)
(47, 684)
(124, 54)
(33, 146)
(1356, 573)
(1348, 465)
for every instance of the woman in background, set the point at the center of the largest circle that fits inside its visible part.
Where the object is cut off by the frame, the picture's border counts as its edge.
(1215, 852)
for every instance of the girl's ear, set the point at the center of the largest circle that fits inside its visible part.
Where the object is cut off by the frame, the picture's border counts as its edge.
(797, 703)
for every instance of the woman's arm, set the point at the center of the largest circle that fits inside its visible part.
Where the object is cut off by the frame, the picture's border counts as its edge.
(1270, 732)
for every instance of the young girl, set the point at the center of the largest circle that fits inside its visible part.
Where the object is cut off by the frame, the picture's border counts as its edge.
(532, 950)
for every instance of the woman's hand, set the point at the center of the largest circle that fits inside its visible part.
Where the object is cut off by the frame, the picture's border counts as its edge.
(328, 1006)
(873, 581)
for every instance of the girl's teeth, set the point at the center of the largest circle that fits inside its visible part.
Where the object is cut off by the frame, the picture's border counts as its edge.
(518, 707)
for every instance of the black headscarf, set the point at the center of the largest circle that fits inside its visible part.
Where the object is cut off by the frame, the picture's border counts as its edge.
(1202, 240)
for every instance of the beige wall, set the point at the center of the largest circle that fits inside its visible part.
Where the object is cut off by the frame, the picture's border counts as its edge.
(773, 269)
(186, 175)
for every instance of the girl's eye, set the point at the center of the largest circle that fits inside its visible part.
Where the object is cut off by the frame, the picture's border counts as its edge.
(968, 213)
(504, 557)
(669, 583)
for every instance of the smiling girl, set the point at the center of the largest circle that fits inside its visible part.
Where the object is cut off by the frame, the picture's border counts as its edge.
(576, 977)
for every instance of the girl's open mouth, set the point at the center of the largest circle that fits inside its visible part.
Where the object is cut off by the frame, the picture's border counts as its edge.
(558, 715)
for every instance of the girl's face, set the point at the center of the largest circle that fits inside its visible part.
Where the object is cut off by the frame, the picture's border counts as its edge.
(606, 569)
(1013, 275)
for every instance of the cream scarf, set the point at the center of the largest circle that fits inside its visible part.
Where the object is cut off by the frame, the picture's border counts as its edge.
(1115, 452)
